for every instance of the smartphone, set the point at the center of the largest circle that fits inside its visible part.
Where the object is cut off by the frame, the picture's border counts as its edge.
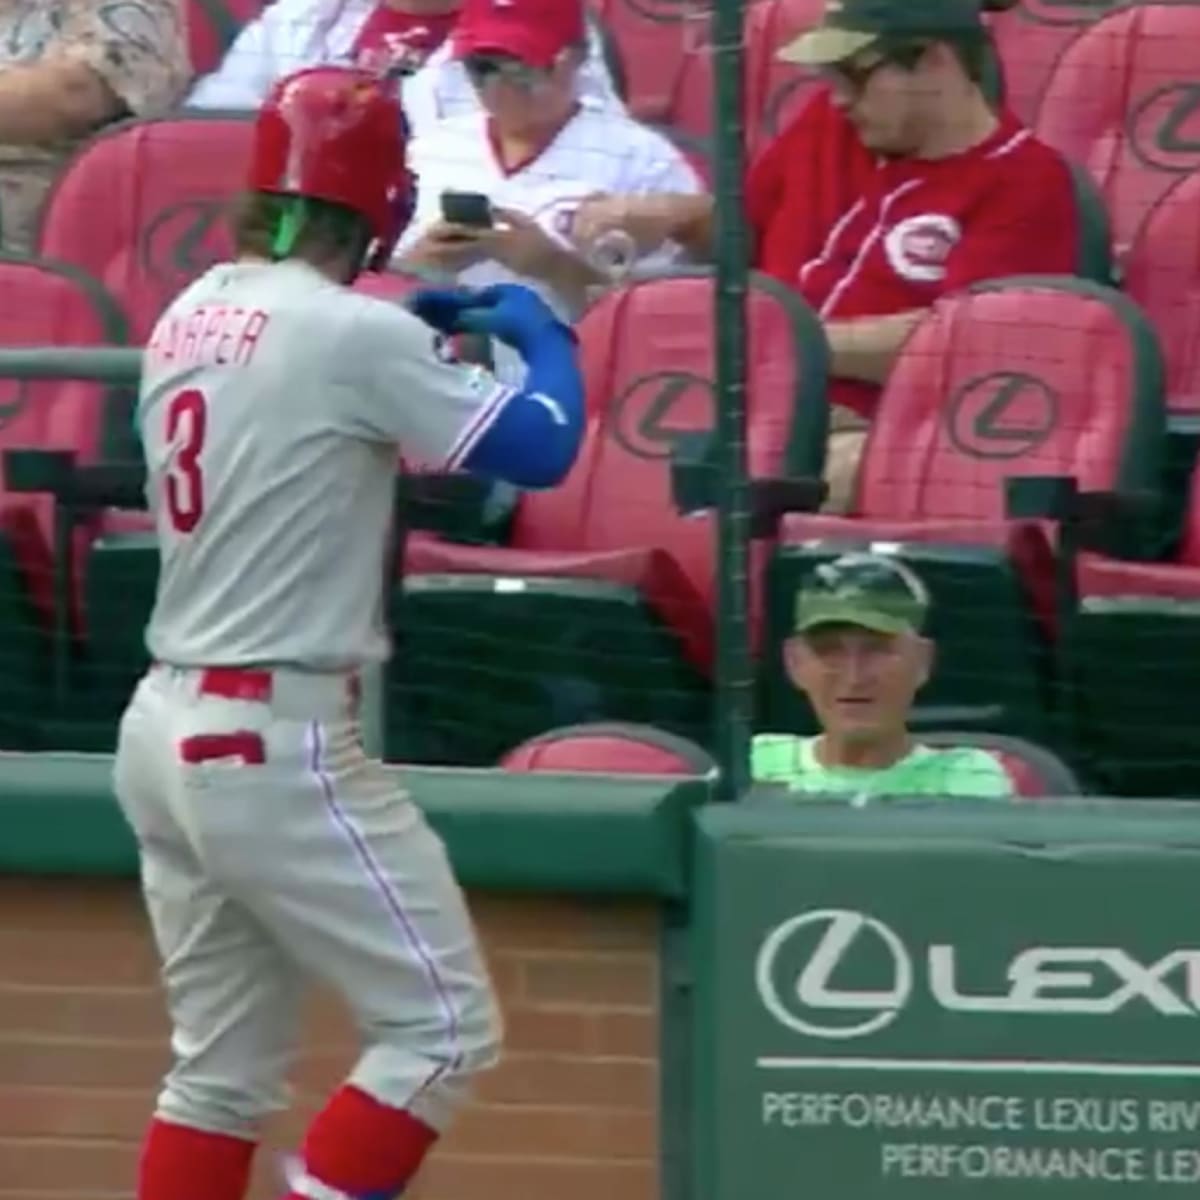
(467, 208)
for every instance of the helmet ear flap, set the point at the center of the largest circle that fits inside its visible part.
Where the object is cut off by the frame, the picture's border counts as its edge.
(402, 204)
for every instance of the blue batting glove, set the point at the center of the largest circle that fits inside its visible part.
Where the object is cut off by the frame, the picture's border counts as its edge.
(514, 314)
(441, 308)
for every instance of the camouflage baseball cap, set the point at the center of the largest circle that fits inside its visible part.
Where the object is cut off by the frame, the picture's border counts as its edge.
(874, 591)
(849, 26)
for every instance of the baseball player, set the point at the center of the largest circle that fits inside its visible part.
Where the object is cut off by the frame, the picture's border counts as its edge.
(273, 405)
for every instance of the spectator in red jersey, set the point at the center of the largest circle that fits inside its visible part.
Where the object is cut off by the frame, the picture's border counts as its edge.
(897, 183)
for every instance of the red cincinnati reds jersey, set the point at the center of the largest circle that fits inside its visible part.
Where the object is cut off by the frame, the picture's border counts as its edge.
(860, 235)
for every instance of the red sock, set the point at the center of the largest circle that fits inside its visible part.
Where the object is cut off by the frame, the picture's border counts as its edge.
(363, 1148)
(181, 1163)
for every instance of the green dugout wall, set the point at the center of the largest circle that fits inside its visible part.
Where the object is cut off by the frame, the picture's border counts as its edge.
(893, 1003)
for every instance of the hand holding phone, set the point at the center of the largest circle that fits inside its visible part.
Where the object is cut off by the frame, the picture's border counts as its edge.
(472, 209)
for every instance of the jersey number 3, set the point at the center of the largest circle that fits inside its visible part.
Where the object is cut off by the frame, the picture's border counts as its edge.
(187, 418)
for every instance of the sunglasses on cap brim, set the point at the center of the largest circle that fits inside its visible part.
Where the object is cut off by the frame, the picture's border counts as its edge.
(483, 67)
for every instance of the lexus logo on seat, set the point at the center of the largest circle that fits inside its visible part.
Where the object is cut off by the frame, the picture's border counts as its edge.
(796, 1000)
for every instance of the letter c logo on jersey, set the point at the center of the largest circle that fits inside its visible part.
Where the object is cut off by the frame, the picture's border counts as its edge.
(919, 246)
(833, 973)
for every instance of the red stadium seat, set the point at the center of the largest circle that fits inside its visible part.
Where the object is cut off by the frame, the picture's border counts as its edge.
(654, 37)
(1036, 772)
(775, 91)
(1162, 273)
(47, 304)
(610, 748)
(602, 606)
(389, 285)
(143, 207)
(1130, 667)
(1031, 36)
(1121, 101)
(688, 120)
(974, 400)
(212, 26)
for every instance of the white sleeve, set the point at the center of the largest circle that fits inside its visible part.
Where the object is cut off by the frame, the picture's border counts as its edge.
(664, 170)
(397, 388)
(265, 50)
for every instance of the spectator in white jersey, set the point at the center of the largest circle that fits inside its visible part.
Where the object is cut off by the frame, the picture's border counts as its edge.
(535, 152)
(409, 35)
(858, 653)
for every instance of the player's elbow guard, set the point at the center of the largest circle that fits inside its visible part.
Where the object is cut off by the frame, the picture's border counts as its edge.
(534, 440)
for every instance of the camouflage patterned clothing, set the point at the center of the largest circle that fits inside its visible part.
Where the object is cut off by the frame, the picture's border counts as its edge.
(138, 47)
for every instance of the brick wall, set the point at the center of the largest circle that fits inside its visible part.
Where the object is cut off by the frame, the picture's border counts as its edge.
(569, 1115)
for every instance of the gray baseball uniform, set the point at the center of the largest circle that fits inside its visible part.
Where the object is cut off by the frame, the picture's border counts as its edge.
(272, 408)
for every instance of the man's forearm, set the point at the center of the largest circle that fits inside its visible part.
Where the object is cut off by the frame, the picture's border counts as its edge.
(43, 103)
(571, 277)
(864, 348)
(693, 229)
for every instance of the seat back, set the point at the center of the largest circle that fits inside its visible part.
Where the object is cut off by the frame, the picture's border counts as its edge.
(1189, 544)
(654, 37)
(648, 357)
(212, 26)
(775, 91)
(1162, 273)
(688, 121)
(1122, 101)
(54, 304)
(59, 305)
(1031, 36)
(1020, 376)
(142, 207)
(610, 748)
(1035, 771)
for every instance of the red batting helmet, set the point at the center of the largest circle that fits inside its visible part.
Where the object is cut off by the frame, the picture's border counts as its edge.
(338, 134)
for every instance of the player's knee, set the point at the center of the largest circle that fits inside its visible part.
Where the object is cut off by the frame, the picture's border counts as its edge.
(237, 1108)
(486, 1029)
(430, 1070)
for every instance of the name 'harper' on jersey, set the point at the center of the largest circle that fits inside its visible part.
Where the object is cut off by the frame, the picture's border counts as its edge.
(209, 335)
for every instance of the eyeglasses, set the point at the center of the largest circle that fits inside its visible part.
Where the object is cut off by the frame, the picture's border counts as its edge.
(482, 67)
(854, 74)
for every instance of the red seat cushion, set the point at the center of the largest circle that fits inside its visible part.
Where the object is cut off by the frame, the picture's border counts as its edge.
(1120, 101)
(1100, 577)
(653, 574)
(143, 207)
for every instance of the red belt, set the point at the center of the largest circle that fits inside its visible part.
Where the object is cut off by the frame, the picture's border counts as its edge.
(253, 684)
(237, 683)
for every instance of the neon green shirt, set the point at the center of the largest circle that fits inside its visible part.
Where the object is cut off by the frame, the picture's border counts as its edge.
(963, 771)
